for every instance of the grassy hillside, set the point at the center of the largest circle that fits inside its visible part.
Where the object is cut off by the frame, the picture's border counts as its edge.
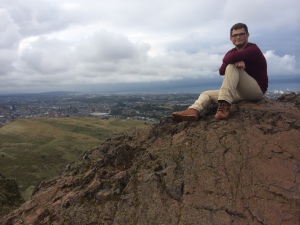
(32, 150)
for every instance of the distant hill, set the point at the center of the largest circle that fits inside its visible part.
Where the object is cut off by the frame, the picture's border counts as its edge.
(49, 93)
(244, 170)
(37, 149)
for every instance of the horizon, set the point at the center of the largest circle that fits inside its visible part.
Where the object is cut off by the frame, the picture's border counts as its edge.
(193, 86)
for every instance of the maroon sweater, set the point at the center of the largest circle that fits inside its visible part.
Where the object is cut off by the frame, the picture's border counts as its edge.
(256, 64)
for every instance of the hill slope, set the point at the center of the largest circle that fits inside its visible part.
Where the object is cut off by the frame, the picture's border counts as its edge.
(242, 171)
(33, 150)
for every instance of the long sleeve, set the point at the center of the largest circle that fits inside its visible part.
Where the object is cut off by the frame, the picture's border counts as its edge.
(256, 65)
(222, 69)
(246, 55)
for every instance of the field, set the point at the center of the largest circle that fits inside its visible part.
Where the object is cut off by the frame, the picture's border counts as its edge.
(33, 150)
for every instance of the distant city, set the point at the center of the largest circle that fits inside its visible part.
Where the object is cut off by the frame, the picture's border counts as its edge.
(148, 107)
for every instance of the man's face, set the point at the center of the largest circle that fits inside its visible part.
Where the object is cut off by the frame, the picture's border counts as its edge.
(239, 38)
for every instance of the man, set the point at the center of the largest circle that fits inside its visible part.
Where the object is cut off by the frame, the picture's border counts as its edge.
(245, 78)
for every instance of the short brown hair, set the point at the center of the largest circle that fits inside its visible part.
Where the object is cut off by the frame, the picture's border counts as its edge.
(239, 26)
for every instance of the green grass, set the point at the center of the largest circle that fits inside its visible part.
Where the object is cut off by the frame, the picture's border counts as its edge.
(33, 150)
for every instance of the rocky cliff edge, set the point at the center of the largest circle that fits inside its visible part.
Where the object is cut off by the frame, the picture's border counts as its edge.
(245, 170)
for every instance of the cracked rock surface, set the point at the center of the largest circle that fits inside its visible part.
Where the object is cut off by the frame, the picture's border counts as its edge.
(245, 170)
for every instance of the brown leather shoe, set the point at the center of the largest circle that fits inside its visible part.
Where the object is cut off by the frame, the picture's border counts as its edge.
(190, 115)
(223, 110)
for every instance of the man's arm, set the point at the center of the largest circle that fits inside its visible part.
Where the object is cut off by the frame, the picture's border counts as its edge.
(222, 69)
(239, 65)
(239, 58)
(244, 55)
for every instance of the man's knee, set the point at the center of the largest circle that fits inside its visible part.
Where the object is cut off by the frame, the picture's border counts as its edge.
(232, 72)
(230, 68)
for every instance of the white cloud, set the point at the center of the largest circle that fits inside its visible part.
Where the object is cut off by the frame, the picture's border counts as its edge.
(278, 66)
(48, 56)
(61, 42)
(106, 46)
(10, 31)
(9, 40)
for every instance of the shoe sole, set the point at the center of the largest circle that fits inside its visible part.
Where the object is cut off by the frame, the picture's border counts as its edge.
(179, 118)
(221, 118)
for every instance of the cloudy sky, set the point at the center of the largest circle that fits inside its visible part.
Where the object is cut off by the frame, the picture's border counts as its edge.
(82, 45)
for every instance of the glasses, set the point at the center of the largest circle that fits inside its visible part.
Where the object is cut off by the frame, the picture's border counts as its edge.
(238, 35)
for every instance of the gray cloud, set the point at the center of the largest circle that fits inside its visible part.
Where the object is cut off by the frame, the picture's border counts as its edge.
(48, 56)
(106, 46)
(34, 17)
(10, 36)
(62, 44)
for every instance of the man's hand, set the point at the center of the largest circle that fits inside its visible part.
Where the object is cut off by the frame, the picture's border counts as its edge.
(240, 65)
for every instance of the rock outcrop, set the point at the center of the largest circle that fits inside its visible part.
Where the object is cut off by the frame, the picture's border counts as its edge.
(245, 170)
(10, 196)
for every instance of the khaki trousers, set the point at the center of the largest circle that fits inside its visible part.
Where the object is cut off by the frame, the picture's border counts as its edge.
(237, 85)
